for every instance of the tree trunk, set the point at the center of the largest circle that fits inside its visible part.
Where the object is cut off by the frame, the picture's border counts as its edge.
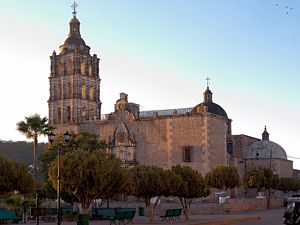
(185, 205)
(107, 203)
(35, 163)
(148, 205)
(35, 142)
(186, 213)
(85, 207)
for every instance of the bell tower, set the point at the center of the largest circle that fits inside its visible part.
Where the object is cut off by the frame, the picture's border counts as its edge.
(74, 81)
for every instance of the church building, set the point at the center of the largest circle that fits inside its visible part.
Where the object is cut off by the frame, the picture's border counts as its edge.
(199, 136)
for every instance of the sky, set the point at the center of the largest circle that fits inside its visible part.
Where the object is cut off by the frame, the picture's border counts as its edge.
(160, 53)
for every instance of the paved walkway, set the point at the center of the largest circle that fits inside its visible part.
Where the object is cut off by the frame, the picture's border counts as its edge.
(224, 219)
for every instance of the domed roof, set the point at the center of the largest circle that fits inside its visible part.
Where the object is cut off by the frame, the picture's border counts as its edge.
(74, 42)
(209, 106)
(71, 40)
(265, 148)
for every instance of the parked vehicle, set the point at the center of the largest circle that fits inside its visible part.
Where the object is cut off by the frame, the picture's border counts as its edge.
(292, 213)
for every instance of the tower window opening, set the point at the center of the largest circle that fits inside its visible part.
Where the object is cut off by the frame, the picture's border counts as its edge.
(69, 114)
(58, 115)
(187, 151)
(84, 113)
(83, 91)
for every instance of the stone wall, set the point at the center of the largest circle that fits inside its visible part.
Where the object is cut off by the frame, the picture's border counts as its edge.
(217, 141)
(241, 144)
(160, 140)
(281, 167)
(235, 205)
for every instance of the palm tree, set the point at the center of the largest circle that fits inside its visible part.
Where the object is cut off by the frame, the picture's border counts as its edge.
(32, 127)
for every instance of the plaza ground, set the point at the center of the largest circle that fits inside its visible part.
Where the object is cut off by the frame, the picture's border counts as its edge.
(224, 219)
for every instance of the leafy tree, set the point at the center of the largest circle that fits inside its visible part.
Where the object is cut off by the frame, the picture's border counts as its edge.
(223, 178)
(6, 173)
(193, 186)
(288, 184)
(148, 183)
(86, 174)
(23, 180)
(14, 176)
(122, 185)
(83, 140)
(260, 179)
(171, 182)
(32, 127)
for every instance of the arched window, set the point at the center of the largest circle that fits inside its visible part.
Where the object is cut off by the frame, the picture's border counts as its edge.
(70, 66)
(92, 97)
(92, 113)
(58, 115)
(83, 91)
(68, 114)
(91, 70)
(69, 90)
(58, 91)
(83, 68)
(84, 113)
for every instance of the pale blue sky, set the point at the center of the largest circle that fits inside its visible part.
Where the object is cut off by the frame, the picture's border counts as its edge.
(160, 52)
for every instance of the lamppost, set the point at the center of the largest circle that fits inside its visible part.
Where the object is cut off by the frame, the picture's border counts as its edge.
(51, 137)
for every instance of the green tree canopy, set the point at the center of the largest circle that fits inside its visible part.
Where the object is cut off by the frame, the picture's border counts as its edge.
(87, 174)
(83, 140)
(193, 186)
(149, 182)
(260, 179)
(15, 176)
(223, 177)
(288, 184)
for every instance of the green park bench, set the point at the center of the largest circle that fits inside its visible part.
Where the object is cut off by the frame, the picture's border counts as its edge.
(123, 215)
(8, 215)
(171, 214)
(103, 213)
(119, 216)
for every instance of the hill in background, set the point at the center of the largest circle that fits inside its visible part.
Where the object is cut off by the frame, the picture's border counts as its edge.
(20, 150)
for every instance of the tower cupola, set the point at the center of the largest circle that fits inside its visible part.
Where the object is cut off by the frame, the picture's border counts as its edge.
(74, 27)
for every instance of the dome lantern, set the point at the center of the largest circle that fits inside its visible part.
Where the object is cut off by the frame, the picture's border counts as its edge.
(265, 135)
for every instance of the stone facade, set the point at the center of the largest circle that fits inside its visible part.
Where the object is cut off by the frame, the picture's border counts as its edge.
(199, 137)
(161, 140)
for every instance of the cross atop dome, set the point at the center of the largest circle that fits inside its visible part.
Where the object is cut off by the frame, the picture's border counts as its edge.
(74, 6)
(207, 81)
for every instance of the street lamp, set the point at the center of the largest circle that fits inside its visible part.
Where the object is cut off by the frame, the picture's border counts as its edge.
(51, 137)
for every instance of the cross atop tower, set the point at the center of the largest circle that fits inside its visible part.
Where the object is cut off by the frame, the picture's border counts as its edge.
(74, 6)
(207, 81)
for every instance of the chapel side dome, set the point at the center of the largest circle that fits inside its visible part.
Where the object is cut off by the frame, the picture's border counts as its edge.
(264, 148)
(210, 106)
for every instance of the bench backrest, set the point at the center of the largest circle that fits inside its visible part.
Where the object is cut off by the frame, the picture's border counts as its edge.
(105, 212)
(120, 215)
(129, 214)
(8, 214)
(169, 212)
(177, 212)
(173, 212)
(125, 209)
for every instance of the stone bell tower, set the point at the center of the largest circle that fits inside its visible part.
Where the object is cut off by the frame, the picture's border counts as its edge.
(74, 81)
